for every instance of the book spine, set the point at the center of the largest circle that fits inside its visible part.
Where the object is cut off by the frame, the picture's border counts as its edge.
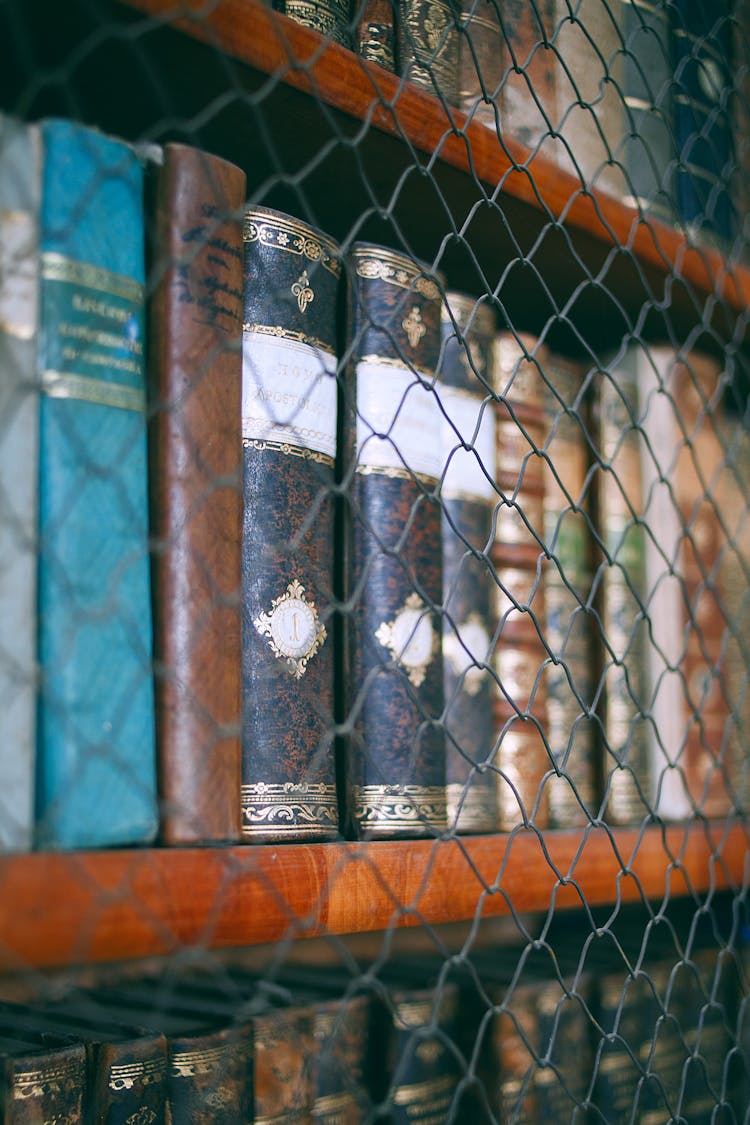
(468, 499)
(197, 329)
(43, 1085)
(570, 627)
(127, 1082)
(520, 656)
(210, 1077)
(375, 35)
(283, 1081)
(329, 17)
(428, 45)
(96, 778)
(564, 1044)
(701, 62)
(527, 103)
(623, 614)
(622, 1011)
(482, 61)
(20, 185)
(647, 147)
(422, 1072)
(289, 395)
(341, 1031)
(397, 751)
(509, 1055)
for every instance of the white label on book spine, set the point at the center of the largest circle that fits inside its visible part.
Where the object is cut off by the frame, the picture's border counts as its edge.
(468, 420)
(288, 393)
(398, 421)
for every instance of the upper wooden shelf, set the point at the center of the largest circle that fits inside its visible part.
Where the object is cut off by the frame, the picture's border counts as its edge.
(272, 44)
(69, 909)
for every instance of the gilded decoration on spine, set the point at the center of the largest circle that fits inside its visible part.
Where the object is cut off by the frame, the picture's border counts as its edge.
(188, 1064)
(395, 473)
(61, 384)
(142, 1116)
(470, 808)
(56, 267)
(292, 627)
(288, 450)
(410, 638)
(426, 374)
(303, 291)
(393, 807)
(300, 807)
(284, 233)
(421, 1091)
(414, 326)
(51, 1080)
(288, 334)
(396, 269)
(125, 1077)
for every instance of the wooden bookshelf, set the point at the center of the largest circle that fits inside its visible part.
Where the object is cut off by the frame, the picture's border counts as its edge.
(89, 907)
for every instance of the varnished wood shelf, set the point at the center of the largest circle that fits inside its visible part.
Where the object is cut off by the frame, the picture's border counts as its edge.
(69, 909)
(248, 31)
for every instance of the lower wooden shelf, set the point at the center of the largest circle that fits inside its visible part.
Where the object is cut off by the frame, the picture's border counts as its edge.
(68, 909)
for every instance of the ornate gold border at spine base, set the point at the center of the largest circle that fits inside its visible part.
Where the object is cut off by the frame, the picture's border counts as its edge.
(384, 809)
(283, 232)
(475, 811)
(275, 811)
(280, 333)
(394, 269)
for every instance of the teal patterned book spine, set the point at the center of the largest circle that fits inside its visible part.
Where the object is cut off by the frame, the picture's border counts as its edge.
(19, 187)
(96, 781)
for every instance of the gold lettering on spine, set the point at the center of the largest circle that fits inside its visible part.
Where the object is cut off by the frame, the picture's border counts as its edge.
(60, 384)
(294, 237)
(125, 1077)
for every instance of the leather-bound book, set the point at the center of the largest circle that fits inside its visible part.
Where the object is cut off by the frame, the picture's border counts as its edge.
(197, 371)
(625, 1013)
(396, 750)
(20, 181)
(702, 63)
(517, 554)
(42, 1077)
(375, 32)
(329, 17)
(96, 759)
(482, 61)
(621, 586)
(527, 96)
(289, 391)
(570, 624)
(126, 1066)
(428, 45)
(468, 502)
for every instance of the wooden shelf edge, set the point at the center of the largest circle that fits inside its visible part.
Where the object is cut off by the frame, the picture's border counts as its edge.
(68, 909)
(272, 43)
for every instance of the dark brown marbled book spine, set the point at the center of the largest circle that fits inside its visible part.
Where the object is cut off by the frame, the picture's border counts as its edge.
(341, 1030)
(329, 17)
(469, 498)
(520, 657)
(428, 39)
(289, 395)
(396, 751)
(375, 34)
(196, 326)
(482, 61)
(42, 1079)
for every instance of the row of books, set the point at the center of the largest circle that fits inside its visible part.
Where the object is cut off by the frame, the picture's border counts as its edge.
(633, 97)
(482, 1042)
(480, 681)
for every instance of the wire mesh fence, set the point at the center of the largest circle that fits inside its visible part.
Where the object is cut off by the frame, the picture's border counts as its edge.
(374, 546)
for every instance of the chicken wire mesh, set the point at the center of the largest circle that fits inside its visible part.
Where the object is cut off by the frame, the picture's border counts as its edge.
(374, 522)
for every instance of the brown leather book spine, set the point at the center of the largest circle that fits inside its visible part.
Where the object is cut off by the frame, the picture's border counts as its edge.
(482, 61)
(196, 326)
(284, 1090)
(45, 1082)
(570, 624)
(527, 33)
(520, 657)
(210, 1077)
(289, 395)
(375, 35)
(341, 1031)
(626, 767)
(468, 497)
(428, 44)
(396, 756)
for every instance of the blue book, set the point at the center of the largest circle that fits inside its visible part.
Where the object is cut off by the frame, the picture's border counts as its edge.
(96, 772)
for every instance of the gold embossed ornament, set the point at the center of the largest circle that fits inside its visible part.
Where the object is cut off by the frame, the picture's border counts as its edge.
(410, 638)
(292, 627)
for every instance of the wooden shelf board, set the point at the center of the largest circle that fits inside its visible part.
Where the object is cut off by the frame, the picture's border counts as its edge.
(254, 34)
(67, 909)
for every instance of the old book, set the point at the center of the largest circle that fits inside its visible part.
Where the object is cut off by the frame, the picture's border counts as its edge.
(209, 1074)
(375, 33)
(468, 502)
(428, 46)
(126, 1067)
(396, 751)
(625, 1013)
(329, 17)
(289, 395)
(621, 588)
(196, 328)
(20, 182)
(701, 54)
(96, 770)
(42, 1077)
(647, 149)
(570, 626)
(520, 657)
(482, 61)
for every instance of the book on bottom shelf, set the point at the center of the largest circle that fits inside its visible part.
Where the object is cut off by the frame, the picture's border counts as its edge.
(468, 500)
(196, 330)
(96, 771)
(289, 415)
(20, 185)
(42, 1077)
(392, 466)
